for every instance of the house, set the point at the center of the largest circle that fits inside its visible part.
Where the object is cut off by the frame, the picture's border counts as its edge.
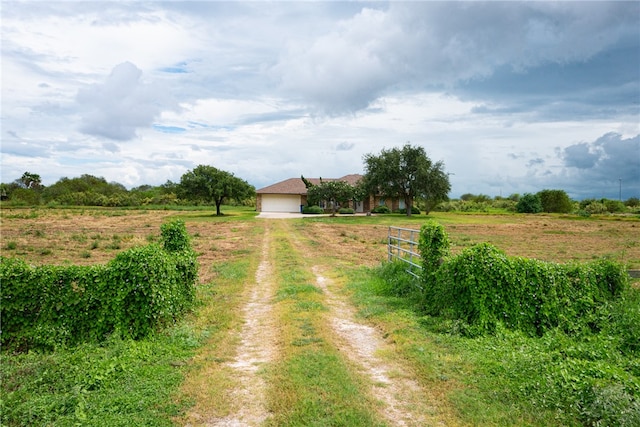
(291, 194)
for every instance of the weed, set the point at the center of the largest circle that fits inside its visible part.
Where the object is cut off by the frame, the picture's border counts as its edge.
(11, 245)
(79, 238)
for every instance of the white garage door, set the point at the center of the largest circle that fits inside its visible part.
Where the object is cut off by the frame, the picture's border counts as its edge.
(280, 203)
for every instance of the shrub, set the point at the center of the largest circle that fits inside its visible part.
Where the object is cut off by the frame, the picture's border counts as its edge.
(595, 208)
(382, 209)
(174, 236)
(312, 210)
(529, 203)
(555, 201)
(614, 206)
(414, 210)
(346, 211)
(138, 291)
(484, 287)
(632, 202)
(433, 246)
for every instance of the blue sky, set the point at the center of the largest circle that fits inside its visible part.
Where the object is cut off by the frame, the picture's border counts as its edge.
(513, 97)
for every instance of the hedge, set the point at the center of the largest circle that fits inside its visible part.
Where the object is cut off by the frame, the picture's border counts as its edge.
(138, 291)
(483, 287)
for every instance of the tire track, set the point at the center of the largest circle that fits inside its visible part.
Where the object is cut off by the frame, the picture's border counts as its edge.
(257, 347)
(405, 402)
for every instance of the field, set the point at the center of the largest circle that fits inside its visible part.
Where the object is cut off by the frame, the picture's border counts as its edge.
(88, 236)
(290, 328)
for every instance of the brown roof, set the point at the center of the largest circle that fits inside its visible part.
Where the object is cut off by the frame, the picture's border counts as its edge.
(296, 185)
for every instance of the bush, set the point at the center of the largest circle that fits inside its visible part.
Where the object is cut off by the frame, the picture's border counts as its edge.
(382, 209)
(484, 287)
(529, 203)
(174, 236)
(464, 206)
(414, 210)
(614, 206)
(595, 208)
(346, 211)
(632, 202)
(556, 201)
(312, 210)
(138, 291)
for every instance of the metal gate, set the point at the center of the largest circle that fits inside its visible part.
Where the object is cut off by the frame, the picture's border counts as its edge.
(403, 246)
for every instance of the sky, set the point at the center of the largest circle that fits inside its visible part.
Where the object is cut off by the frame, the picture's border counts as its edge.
(513, 97)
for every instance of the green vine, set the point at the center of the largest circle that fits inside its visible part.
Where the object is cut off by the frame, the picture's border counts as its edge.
(483, 288)
(138, 291)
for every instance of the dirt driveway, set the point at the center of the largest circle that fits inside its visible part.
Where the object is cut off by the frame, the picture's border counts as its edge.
(400, 399)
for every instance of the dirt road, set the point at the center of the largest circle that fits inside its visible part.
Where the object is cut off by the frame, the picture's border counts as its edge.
(399, 399)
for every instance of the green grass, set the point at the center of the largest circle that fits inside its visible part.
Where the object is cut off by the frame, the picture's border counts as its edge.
(119, 383)
(511, 379)
(311, 385)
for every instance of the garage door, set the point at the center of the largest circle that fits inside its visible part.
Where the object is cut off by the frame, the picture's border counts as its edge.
(280, 203)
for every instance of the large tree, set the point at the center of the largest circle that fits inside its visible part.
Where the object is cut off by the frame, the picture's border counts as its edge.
(406, 173)
(206, 183)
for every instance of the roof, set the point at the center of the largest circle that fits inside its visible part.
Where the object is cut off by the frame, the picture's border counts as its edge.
(296, 185)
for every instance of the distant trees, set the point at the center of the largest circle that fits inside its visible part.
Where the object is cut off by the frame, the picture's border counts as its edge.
(407, 173)
(552, 201)
(29, 181)
(208, 184)
(88, 190)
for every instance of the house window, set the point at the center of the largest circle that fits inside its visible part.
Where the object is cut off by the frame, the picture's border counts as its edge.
(401, 204)
(382, 203)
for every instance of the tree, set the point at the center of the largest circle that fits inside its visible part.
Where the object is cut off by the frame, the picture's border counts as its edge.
(407, 173)
(30, 181)
(529, 203)
(555, 201)
(334, 192)
(88, 190)
(206, 183)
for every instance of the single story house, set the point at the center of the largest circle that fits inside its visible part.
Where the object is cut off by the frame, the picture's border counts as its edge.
(290, 195)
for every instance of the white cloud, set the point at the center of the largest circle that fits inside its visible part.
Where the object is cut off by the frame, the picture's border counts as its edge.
(123, 103)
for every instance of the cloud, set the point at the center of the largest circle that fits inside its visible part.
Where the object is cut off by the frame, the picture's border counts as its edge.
(431, 45)
(580, 156)
(535, 162)
(345, 146)
(123, 103)
(595, 169)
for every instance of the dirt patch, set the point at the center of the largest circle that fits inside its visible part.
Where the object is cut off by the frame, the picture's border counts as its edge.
(257, 347)
(405, 403)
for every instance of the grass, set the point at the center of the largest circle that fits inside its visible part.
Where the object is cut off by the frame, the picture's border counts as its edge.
(311, 385)
(511, 379)
(487, 381)
(118, 383)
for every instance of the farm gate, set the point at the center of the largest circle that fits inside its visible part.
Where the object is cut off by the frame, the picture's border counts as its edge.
(402, 245)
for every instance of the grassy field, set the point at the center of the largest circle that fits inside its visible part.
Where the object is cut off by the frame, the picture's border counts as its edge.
(160, 381)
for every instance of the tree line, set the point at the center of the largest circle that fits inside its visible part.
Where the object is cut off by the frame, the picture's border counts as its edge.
(405, 173)
(204, 185)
